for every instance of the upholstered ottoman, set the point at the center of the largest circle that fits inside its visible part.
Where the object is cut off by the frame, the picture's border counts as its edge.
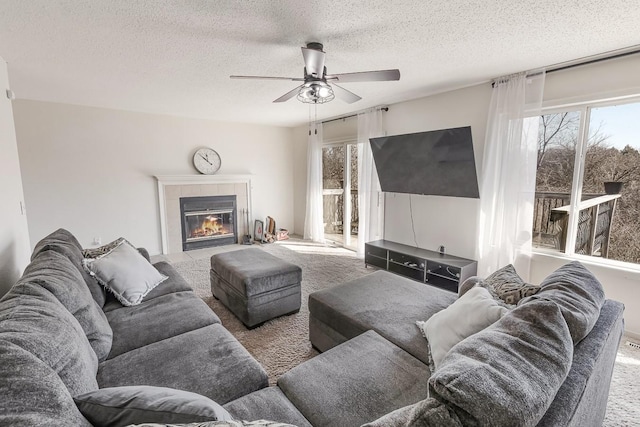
(254, 285)
(385, 302)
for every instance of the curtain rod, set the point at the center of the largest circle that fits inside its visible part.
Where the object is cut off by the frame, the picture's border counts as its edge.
(560, 67)
(349, 116)
(569, 64)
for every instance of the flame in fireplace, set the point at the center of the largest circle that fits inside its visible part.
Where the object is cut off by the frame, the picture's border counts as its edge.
(210, 227)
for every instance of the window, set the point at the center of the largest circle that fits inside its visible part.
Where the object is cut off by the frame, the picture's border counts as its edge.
(588, 182)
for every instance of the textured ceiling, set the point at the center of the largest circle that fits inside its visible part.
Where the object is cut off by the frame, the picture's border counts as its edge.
(175, 57)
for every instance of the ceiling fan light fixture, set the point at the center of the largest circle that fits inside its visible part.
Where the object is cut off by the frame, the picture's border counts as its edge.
(315, 89)
(316, 92)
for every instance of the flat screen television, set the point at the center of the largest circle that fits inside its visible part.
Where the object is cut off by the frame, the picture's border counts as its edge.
(438, 162)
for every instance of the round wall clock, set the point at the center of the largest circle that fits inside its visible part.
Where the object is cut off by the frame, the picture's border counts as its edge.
(207, 161)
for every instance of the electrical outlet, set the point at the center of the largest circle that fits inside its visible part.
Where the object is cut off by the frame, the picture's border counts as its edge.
(97, 240)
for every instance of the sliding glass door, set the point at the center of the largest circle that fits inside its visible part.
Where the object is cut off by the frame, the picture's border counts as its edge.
(340, 194)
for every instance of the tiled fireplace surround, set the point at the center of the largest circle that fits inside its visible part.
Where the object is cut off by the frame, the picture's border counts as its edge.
(172, 187)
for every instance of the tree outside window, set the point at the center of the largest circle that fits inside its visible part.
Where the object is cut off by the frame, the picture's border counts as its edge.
(606, 184)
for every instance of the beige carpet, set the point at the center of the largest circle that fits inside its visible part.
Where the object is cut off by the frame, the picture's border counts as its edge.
(283, 343)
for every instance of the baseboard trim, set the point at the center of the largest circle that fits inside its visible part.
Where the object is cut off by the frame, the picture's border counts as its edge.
(632, 335)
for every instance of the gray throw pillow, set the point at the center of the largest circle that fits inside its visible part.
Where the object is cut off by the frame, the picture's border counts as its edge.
(506, 285)
(122, 406)
(578, 294)
(125, 273)
(509, 373)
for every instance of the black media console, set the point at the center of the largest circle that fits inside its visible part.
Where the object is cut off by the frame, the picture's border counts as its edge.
(430, 267)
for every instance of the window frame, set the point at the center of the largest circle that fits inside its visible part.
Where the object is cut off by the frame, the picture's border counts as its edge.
(345, 143)
(584, 109)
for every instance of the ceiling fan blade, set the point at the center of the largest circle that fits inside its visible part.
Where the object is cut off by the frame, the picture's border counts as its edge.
(366, 76)
(313, 61)
(295, 79)
(287, 96)
(346, 95)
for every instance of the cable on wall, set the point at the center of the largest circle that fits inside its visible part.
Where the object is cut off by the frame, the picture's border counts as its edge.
(415, 240)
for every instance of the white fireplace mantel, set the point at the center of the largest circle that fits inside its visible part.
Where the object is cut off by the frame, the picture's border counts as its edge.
(171, 180)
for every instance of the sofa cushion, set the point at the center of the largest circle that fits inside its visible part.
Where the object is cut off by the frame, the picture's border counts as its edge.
(174, 283)
(469, 314)
(208, 361)
(125, 273)
(269, 403)
(55, 272)
(510, 371)
(32, 393)
(64, 242)
(578, 294)
(362, 304)
(123, 406)
(356, 382)
(32, 318)
(508, 286)
(157, 319)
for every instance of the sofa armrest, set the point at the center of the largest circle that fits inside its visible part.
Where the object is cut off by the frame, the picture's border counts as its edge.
(144, 253)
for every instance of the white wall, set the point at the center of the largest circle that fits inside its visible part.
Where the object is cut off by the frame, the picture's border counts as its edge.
(91, 170)
(601, 80)
(14, 234)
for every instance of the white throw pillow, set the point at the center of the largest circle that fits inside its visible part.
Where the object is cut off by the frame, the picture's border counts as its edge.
(124, 272)
(471, 313)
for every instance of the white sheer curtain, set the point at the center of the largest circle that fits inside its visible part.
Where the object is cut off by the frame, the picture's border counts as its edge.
(369, 193)
(507, 188)
(313, 221)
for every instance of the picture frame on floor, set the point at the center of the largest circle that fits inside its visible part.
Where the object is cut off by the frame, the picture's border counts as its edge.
(258, 230)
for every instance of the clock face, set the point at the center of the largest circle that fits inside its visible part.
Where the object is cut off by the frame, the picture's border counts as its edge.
(207, 161)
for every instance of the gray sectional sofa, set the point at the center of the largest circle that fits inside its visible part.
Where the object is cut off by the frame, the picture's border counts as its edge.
(61, 335)
(547, 362)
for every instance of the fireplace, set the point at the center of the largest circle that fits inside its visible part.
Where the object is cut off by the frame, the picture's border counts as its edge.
(208, 221)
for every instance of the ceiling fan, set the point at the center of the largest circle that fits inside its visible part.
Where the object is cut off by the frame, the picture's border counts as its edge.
(316, 89)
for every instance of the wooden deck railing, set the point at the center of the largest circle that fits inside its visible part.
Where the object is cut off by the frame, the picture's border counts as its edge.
(551, 220)
(333, 205)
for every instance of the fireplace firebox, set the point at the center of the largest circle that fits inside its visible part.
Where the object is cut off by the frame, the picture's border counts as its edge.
(208, 221)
